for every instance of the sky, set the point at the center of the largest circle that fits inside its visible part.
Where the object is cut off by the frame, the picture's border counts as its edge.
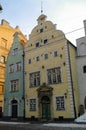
(68, 15)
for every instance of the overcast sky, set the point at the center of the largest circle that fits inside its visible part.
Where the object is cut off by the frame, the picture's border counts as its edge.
(67, 14)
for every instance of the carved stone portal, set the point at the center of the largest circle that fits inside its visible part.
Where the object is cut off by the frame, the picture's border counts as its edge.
(44, 101)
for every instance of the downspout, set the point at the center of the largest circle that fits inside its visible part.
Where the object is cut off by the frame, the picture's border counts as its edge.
(23, 83)
(71, 78)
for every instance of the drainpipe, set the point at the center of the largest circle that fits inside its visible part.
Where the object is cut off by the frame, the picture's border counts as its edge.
(23, 83)
(71, 78)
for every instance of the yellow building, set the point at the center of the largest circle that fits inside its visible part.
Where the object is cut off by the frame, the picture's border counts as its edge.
(51, 90)
(6, 39)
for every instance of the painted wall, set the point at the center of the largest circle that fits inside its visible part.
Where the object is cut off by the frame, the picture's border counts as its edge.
(56, 42)
(18, 95)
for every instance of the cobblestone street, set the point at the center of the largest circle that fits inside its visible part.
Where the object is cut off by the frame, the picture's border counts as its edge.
(49, 126)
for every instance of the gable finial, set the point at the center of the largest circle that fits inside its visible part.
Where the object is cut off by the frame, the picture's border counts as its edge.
(41, 6)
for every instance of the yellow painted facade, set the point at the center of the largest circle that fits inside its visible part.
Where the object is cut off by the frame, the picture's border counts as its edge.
(6, 39)
(46, 52)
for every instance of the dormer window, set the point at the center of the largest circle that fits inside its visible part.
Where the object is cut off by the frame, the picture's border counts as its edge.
(41, 30)
(37, 44)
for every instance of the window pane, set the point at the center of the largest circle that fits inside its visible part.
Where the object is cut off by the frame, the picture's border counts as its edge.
(45, 41)
(37, 44)
(34, 79)
(15, 51)
(60, 104)
(32, 104)
(41, 30)
(29, 61)
(54, 75)
(14, 85)
(55, 54)
(46, 56)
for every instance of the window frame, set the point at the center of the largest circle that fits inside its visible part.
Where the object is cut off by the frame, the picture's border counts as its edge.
(55, 53)
(54, 75)
(29, 61)
(45, 41)
(32, 104)
(60, 104)
(15, 51)
(18, 66)
(41, 30)
(12, 68)
(34, 79)
(37, 44)
(46, 56)
(14, 85)
(37, 58)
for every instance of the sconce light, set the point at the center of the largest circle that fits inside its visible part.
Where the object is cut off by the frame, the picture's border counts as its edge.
(66, 93)
(64, 63)
(42, 66)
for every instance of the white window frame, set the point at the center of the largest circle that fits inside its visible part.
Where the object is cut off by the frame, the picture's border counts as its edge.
(60, 109)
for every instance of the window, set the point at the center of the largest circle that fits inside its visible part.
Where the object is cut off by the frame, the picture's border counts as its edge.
(32, 104)
(15, 51)
(14, 85)
(45, 41)
(84, 69)
(60, 103)
(46, 56)
(3, 42)
(55, 54)
(18, 66)
(34, 79)
(37, 58)
(11, 68)
(41, 30)
(54, 75)
(2, 59)
(37, 44)
(29, 61)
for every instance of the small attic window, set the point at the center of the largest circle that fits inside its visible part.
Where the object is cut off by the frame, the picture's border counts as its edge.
(41, 30)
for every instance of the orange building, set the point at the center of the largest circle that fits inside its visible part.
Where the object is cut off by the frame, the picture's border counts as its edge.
(6, 39)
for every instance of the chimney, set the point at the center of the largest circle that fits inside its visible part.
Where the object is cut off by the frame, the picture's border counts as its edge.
(84, 26)
(17, 27)
(4, 22)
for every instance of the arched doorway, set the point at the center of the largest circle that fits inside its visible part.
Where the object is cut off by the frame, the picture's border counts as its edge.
(14, 108)
(45, 107)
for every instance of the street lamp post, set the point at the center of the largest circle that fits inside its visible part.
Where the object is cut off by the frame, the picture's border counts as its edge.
(1, 8)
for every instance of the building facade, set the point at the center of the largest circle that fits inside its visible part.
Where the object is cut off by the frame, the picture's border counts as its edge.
(51, 90)
(81, 69)
(6, 39)
(14, 83)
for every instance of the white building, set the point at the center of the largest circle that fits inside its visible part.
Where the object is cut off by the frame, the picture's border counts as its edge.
(81, 67)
